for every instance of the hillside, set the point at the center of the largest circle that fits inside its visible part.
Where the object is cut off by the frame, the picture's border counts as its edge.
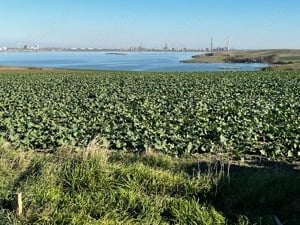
(277, 58)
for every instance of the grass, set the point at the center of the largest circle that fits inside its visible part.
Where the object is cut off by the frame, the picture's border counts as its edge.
(290, 58)
(95, 186)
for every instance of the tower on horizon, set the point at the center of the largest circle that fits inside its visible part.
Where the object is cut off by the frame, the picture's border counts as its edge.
(228, 44)
(211, 44)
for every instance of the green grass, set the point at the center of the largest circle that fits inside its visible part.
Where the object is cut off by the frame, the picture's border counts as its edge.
(290, 58)
(95, 186)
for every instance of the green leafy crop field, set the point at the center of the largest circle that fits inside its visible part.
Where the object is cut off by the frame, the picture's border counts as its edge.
(176, 113)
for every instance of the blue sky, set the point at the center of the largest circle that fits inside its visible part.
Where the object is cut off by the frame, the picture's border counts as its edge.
(153, 23)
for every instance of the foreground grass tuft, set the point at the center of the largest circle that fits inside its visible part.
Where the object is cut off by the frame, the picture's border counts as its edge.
(94, 186)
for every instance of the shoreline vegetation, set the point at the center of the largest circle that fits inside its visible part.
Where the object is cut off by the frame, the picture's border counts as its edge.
(17, 68)
(277, 59)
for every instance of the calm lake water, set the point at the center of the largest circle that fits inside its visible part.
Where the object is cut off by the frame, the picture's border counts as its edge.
(132, 61)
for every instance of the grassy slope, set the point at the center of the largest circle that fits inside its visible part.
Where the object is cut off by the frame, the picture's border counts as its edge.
(92, 186)
(284, 56)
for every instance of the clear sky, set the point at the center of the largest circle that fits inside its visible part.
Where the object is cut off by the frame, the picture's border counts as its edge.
(153, 23)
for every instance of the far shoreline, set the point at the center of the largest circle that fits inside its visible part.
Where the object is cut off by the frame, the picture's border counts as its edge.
(277, 59)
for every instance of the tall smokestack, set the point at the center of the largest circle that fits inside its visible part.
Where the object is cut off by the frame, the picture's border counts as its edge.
(211, 44)
(228, 44)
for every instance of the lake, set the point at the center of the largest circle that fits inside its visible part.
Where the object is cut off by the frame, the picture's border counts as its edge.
(131, 61)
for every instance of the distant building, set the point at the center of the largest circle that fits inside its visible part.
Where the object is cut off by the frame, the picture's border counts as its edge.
(166, 48)
(3, 49)
(36, 47)
(29, 47)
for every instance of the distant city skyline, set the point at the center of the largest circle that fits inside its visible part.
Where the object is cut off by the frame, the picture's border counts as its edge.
(151, 24)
